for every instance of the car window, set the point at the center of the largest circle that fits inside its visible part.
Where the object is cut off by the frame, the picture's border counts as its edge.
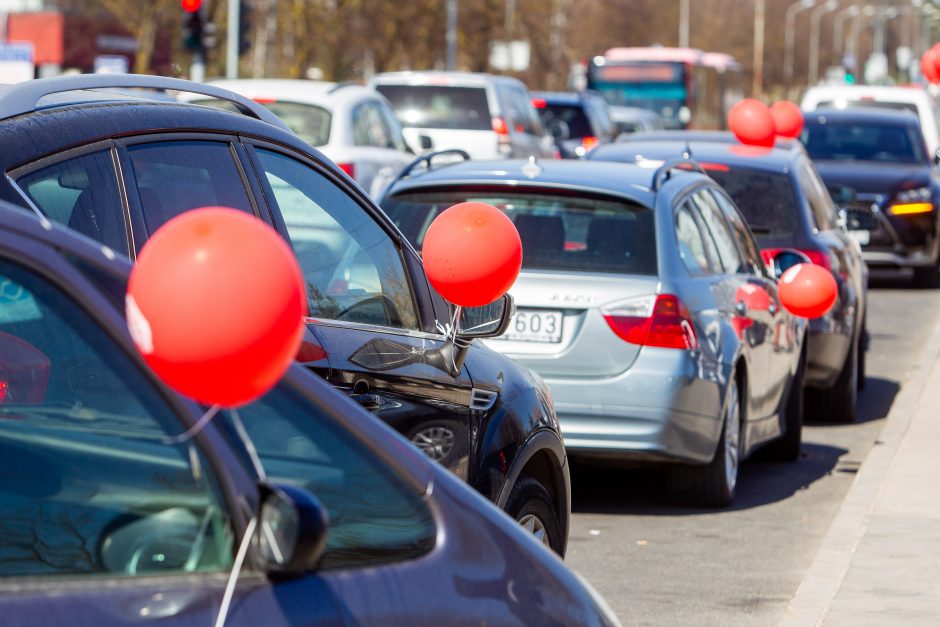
(819, 200)
(523, 118)
(311, 122)
(374, 517)
(767, 200)
(838, 140)
(353, 270)
(572, 116)
(717, 229)
(691, 244)
(369, 127)
(174, 177)
(749, 248)
(81, 193)
(558, 231)
(439, 106)
(396, 136)
(89, 486)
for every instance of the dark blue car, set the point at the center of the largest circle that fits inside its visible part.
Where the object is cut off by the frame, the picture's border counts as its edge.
(109, 516)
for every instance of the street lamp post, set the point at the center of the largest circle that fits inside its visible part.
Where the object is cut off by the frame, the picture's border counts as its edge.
(814, 18)
(683, 23)
(838, 30)
(451, 59)
(758, 48)
(789, 20)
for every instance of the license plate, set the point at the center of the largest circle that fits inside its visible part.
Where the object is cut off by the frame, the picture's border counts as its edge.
(534, 326)
(862, 237)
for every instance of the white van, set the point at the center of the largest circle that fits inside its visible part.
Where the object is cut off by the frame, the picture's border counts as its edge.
(914, 98)
(490, 117)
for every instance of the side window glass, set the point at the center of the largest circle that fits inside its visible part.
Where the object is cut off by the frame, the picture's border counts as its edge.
(81, 193)
(717, 229)
(174, 177)
(374, 517)
(823, 210)
(752, 258)
(395, 134)
(89, 484)
(353, 269)
(691, 245)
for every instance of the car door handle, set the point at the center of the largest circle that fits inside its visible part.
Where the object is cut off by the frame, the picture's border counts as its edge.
(368, 400)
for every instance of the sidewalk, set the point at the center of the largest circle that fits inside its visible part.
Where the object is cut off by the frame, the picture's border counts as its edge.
(879, 563)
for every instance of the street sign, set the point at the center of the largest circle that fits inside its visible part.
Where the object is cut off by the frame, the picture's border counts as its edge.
(903, 55)
(16, 62)
(111, 64)
(510, 55)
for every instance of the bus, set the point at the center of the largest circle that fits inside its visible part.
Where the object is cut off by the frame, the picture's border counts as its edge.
(686, 87)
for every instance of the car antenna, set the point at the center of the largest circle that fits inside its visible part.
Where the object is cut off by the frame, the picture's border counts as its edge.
(687, 152)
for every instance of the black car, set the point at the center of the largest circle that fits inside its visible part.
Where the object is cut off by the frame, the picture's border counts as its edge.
(891, 205)
(116, 167)
(787, 206)
(577, 120)
(110, 517)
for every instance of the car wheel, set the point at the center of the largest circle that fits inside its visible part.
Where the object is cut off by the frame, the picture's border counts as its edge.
(786, 448)
(714, 484)
(928, 277)
(436, 439)
(862, 349)
(837, 404)
(532, 507)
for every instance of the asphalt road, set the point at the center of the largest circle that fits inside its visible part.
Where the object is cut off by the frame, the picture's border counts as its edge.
(659, 564)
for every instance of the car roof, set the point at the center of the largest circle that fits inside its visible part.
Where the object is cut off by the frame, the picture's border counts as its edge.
(719, 137)
(732, 153)
(629, 182)
(321, 93)
(867, 115)
(914, 93)
(435, 77)
(563, 97)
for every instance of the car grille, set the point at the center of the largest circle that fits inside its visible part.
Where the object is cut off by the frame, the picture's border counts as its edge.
(860, 217)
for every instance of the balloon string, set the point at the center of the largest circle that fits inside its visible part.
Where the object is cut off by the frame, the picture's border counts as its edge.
(454, 322)
(249, 444)
(193, 430)
(236, 570)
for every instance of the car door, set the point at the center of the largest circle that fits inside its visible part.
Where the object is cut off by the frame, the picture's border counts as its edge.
(370, 307)
(108, 518)
(747, 300)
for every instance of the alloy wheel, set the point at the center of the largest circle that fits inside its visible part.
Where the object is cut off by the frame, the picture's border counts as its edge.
(534, 525)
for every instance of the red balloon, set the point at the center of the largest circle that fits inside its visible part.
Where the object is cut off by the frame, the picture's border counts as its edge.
(928, 65)
(751, 123)
(215, 305)
(754, 297)
(808, 290)
(472, 254)
(788, 119)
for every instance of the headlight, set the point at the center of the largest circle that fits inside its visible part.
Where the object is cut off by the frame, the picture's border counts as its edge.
(912, 201)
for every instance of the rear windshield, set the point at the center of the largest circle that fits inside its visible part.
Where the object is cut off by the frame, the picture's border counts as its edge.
(310, 122)
(436, 106)
(572, 116)
(558, 231)
(766, 199)
(868, 141)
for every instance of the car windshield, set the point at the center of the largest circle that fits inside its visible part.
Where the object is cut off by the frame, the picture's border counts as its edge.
(438, 106)
(765, 199)
(863, 141)
(559, 230)
(310, 122)
(572, 116)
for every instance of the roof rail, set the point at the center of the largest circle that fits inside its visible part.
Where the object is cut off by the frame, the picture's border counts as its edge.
(24, 97)
(342, 84)
(427, 158)
(664, 172)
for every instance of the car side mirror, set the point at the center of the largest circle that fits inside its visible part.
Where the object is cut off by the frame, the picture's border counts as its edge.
(559, 130)
(487, 321)
(425, 142)
(291, 532)
(786, 259)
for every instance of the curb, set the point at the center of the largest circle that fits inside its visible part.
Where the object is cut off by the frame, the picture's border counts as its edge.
(824, 577)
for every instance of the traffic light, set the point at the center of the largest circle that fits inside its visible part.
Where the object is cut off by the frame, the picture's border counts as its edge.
(244, 27)
(193, 24)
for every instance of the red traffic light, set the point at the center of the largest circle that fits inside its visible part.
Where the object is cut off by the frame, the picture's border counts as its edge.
(191, 6)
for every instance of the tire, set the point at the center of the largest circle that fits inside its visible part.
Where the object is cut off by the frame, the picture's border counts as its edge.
(532, 507)
(838, 403)
(862, 350)
(927, 278)
(786, 448)
(714, 484)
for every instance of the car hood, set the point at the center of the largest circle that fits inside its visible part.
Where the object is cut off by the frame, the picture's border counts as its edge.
(873, 178)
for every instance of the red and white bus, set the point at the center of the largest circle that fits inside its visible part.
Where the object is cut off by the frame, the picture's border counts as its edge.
(686, 87)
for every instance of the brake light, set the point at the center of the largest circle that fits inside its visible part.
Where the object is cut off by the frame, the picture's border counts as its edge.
(262, 100)
(538, 103)
(589, 142)
(660, 321)
(4, 387)
(715, 167)
(348, 168)
(499, 126)
(911, 208)
(815, 256)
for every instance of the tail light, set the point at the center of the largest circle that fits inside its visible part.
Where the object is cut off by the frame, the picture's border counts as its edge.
(348, 168)
(3, 390)
(661, 321)
(503, 143)
(539, 103)
(589, 142)
(499, 126)
(819, 258)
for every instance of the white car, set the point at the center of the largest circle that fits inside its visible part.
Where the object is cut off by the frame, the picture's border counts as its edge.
(913, 98)
(351, 124)
(488, 116)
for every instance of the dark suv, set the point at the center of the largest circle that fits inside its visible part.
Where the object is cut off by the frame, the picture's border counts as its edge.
(116, 167)
(577, 120)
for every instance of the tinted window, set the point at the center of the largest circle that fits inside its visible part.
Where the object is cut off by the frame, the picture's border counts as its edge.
(89, 484)
(818, 198)
(373, 516)
(766, 199)
(869, 141)
(718, 231)
(354, 271)
(572, 116)
(174, 177)
(369, 127)
(439, 106)
(558, 231)
(310, 122)
(691, 244)
(522, 117)
(754, 264)
(81, 193)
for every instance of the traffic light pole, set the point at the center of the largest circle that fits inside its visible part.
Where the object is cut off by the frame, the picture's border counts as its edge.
(231, 42)
(197, 71)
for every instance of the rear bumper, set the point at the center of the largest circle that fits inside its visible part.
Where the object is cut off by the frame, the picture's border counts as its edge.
(666, 407)
(827, 344)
